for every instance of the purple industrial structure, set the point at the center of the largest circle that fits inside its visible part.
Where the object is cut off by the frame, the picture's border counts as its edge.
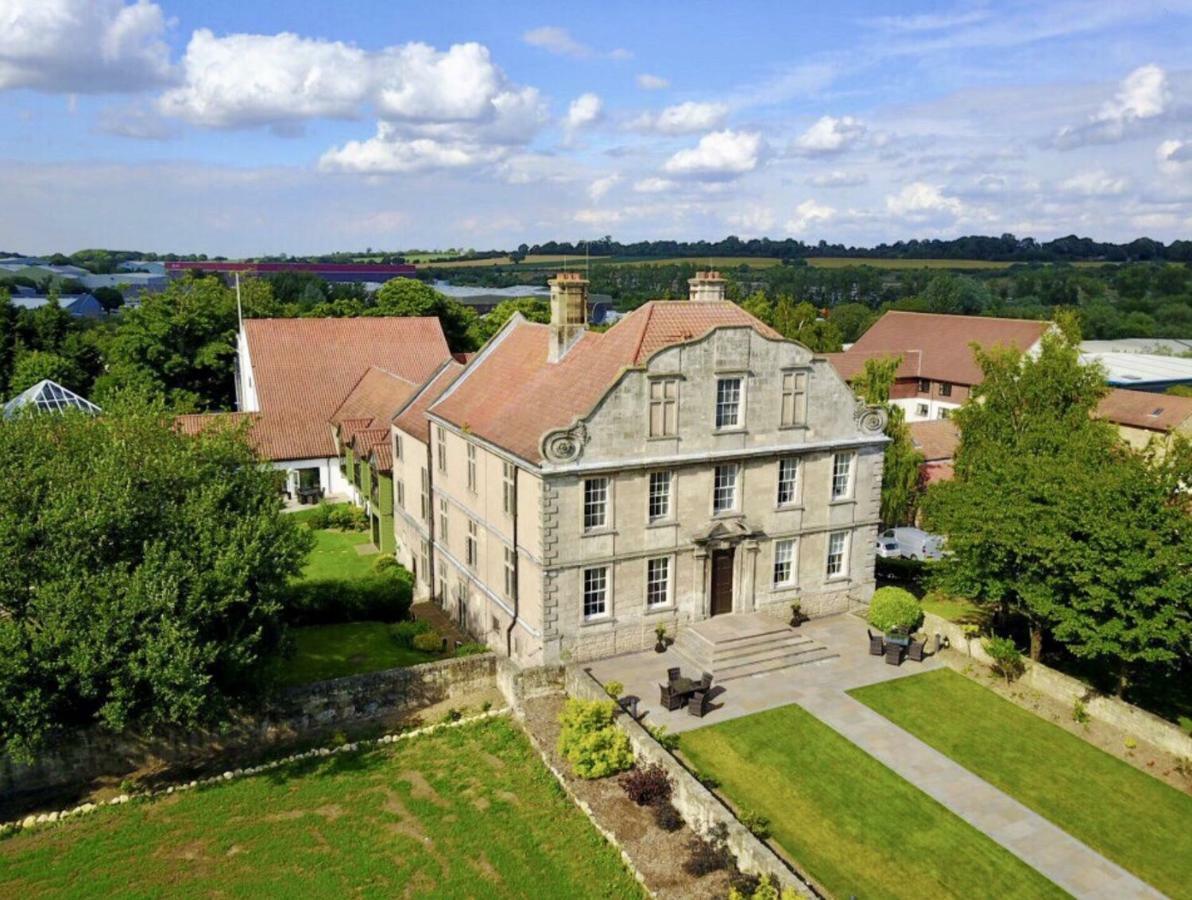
(327, 271)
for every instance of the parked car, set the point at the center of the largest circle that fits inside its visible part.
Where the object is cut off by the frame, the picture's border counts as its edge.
(914, 543)
(888, 548)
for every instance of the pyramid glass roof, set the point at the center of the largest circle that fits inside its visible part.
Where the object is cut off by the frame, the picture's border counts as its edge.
(49, 396)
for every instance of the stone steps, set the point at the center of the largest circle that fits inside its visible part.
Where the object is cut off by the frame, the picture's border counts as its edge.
(752, 647)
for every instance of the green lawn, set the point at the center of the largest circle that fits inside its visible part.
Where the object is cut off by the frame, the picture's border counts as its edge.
(857, 827)
(333, 651)
(954, 609)
(335, 556)
(465, 812)
(1128, 816)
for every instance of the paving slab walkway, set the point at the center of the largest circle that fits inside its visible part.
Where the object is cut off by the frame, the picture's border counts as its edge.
(1069, 863)
(820, 689)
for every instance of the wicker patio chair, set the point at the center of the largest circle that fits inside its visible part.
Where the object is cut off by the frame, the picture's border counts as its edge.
(670, 700)
(876, 643)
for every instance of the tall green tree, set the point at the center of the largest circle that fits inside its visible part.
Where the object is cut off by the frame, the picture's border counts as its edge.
(901, 466)
(802, 322)
(180, 344)
(32, 366)
(535, 309)
(1052, 518)
(142, 574)
(410, 297)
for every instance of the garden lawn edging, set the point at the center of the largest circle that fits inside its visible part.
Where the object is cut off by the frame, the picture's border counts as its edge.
(698, 806)
(1066, 689)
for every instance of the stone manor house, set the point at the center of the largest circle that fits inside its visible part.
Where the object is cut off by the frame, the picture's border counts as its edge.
(564, 491)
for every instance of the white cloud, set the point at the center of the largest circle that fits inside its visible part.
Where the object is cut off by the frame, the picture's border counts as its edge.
(254, 79)
(598, 216)
(390, 151)
(1174, 155)
(1143, 94)
(648, 82)
(830, 135)
(601, 186)
(557, 40)
(722, 154)
(83, 46)
(808, 213)
(919, 200)
(684, 118)
(838, 178)
(751, 219)
(585, 110)
(653, 185)
(1094, 183)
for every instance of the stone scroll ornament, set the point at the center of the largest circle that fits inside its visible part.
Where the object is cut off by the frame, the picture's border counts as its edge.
(566, 444)
(871, 419)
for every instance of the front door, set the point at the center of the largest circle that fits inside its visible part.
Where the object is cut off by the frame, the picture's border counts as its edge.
(722, 582)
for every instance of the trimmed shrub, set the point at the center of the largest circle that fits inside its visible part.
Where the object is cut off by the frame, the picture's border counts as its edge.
(319, 517)
(347, 517)
(405, 632)
(378, 597)
(758, 824)
(648, 786)
(667, 817)
(590, 741)
(385, 563)
(428, 642)
(894, 609)
(614, 689)
(471, 648)
(1007, 658)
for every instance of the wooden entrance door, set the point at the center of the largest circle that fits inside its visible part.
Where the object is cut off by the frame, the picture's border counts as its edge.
(722, 582)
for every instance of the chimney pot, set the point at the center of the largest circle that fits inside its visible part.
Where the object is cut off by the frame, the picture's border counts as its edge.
(568, 312)
(706, 286)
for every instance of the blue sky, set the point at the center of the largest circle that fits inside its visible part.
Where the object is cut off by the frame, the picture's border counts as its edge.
(250, 127)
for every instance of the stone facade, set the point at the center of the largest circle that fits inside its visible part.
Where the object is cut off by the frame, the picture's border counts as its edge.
(514, 574)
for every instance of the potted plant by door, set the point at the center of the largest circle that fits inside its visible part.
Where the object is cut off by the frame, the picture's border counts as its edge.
(660, 638)
(797, 617)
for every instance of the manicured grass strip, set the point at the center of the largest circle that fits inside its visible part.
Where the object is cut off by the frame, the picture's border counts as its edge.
(857, 827)
(334, 651)
(954, 609)
(465, 812)
(1126, 815)
(335, 558)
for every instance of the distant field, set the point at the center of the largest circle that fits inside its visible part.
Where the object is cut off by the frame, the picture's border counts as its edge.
(715, 262)
(533, 259)
(841, 262)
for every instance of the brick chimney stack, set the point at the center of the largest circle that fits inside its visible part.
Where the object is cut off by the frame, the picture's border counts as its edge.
(706, 286)
(568, 312)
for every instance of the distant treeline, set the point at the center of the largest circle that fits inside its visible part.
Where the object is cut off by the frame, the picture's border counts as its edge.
(1006, 248)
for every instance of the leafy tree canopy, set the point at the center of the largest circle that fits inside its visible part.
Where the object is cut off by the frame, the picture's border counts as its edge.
(142, 574)
(901, 482)
(536, 309)
(1051, 517)
(409, 297)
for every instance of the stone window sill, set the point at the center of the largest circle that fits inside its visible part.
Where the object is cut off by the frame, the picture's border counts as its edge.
(783, 588)
(599, 532)
(662, 523)
(597, 621)
(843, 501)
(789, 507)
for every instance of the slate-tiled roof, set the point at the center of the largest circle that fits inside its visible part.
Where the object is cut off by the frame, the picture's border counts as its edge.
(937, 346)
(304, 369)
(511, 395)
(1141, 409)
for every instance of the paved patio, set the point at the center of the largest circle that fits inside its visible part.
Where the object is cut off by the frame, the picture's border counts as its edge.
(642, 673)
(820, 688)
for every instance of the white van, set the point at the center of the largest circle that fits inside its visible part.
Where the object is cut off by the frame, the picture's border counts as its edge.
(914, 543)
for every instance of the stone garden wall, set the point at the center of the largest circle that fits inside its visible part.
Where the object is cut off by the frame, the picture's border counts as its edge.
(699, 807)
(297, 714)
(1137, 722)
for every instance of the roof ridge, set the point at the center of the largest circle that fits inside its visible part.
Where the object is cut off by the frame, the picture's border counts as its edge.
(641, 338)
(925, 312)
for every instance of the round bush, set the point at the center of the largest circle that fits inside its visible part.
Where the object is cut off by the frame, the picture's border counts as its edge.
(428, 642)
(894, 609)
(384, 563)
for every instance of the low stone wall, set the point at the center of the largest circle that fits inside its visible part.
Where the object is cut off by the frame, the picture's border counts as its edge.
(699, 807)
(298, 713)
(1137, 722)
